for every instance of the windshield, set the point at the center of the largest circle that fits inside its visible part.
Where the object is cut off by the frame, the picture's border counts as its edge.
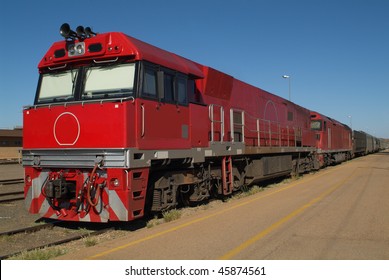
(315, 125)
(57, 87)
(95, 82)
(112, 81)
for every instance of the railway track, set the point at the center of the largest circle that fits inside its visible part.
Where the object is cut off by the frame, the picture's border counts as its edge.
(27, 237)
(27, 229)
(11, 196)
(12, 181)
(78, 234)
(8, 193)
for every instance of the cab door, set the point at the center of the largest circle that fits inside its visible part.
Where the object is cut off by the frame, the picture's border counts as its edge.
(329, 139)
(163, 112)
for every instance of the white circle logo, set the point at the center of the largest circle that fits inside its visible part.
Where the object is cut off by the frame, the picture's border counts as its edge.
(66, 129)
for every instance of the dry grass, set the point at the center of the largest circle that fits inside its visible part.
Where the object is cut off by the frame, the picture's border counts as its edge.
(171, 215)
(40, 254)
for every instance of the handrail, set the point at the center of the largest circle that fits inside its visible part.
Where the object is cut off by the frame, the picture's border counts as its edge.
(273, 132)
(58, 67)
(143, 120)
(82, 102)
(234, 124)
(221, 121)
(105, 61)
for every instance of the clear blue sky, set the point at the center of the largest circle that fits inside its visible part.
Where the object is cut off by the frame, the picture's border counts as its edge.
(336, 51)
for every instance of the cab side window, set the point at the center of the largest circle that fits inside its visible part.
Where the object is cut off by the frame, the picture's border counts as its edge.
(182, 96)
(150, 83)
(168, 87)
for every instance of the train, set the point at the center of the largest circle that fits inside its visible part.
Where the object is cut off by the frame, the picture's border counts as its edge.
(121, 128)
(365, 143)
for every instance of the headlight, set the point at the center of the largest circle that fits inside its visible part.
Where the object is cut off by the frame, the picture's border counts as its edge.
(76, 49)
(115, 182)
(71, 50)
(80, 49)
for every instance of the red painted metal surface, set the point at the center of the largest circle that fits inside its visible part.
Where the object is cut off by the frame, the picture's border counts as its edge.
(116, 44)
(280, 122)
(163, 126)
(332, 136)
(80, 126)
(224, 109)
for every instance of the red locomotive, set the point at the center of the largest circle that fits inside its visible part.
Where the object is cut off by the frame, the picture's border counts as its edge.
(333, 139)
(120, 127)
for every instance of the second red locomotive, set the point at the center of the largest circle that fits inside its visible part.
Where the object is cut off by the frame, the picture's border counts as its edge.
(333, 139)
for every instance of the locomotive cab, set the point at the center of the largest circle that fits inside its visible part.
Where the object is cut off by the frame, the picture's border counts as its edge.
(322, 133)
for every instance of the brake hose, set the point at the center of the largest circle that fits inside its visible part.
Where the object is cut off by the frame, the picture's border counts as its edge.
(89, 187)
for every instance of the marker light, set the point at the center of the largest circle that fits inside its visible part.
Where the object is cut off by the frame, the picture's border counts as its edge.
(115, 182)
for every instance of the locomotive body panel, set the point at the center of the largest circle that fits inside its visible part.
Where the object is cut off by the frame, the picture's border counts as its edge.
(162, 126)
(97, 125)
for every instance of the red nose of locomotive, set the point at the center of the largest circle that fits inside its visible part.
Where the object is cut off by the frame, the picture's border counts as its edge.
(77, 136)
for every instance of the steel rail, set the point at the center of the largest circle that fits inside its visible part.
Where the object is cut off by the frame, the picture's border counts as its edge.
(58, 242)
(12, 181)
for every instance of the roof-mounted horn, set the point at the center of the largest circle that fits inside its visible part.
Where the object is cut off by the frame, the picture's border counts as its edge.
(66, 32)
(89, 33)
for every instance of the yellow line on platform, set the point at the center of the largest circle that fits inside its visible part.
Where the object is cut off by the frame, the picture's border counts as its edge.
(282, 221)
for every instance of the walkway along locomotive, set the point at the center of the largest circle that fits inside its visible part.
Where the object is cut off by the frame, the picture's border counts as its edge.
(120, 127)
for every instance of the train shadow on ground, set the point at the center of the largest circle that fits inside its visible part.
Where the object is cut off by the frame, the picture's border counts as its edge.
(88, 226)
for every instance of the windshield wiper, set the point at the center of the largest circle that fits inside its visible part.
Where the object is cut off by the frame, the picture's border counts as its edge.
(107, 93)
(62, 99)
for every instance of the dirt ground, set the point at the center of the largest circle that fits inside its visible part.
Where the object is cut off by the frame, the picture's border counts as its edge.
(11, 171)
(10, 153)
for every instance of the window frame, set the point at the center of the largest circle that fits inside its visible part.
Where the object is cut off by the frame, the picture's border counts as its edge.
(115, 95)
(61, 98)
(79, 84)
(171, 94)
(320, 127)
(142, 93)
(290, 116)
(169, 90)
(178, 97)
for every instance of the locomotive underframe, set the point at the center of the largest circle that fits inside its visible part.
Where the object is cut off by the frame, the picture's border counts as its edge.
(177, 177)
